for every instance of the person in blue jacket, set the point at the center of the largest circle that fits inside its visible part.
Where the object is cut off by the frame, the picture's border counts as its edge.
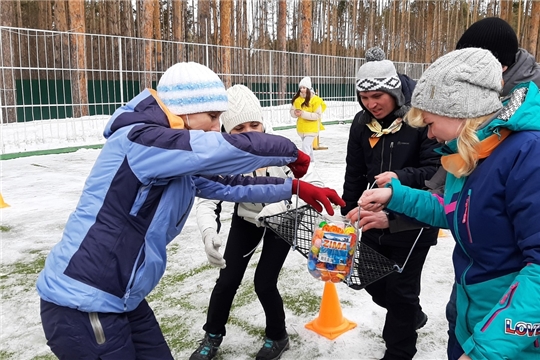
(163, 148)
(491, 200)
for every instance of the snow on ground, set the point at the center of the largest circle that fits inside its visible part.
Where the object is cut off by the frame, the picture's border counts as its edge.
(43, 190)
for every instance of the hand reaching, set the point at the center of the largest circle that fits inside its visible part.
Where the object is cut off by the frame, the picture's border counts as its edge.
(384, 178)
(315, 196)
(301, 165)
(212, 243)
(375, 199)
(368, 219)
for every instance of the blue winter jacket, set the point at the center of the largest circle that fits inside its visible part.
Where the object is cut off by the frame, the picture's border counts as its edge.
(138, 196)
(494, 216)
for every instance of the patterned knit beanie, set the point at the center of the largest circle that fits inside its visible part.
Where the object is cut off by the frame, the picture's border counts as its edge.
(493, 34)
(190, 88)
(462, 84)
(243, 107)
(379, 74)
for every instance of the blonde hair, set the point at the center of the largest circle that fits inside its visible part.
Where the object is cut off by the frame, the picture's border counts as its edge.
(466, 140)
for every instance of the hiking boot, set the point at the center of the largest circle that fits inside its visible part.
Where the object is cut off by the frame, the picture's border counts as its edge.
(421, 320)
(208, 348)
(272, 349)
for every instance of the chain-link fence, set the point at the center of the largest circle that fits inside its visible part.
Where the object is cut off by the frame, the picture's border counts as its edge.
(57, 89)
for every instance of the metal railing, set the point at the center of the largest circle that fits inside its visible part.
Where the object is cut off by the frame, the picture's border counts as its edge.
(58, 89)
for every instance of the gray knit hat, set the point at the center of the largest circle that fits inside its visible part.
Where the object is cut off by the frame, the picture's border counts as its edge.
(243, 107)
(379, 74)
(463, 84)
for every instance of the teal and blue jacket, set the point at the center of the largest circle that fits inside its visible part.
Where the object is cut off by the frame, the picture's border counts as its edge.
(494, 216)
(137, 199)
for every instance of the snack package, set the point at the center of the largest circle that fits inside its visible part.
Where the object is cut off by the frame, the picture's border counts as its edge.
(332, 249)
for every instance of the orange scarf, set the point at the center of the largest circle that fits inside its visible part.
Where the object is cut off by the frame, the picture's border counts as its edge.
(452, 163)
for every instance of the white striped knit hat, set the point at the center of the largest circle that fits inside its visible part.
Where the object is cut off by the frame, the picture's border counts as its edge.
(190, 88)
(243, 107)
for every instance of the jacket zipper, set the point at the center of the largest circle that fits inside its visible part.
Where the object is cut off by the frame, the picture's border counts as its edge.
(466, 213)
(506, 298)
(97, 328)
(185, 213)
(132, 278)
(458, 241)
(382, 156)
(391, 151)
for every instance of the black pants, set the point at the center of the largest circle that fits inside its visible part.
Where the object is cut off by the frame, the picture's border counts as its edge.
(398, 293)
(243, 237)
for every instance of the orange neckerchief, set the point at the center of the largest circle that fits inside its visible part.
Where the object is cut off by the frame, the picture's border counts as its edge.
(175, 121)
(453, 162)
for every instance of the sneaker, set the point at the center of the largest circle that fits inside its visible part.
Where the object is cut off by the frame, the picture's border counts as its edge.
(421, 320)
(208, 348)
(272, 349)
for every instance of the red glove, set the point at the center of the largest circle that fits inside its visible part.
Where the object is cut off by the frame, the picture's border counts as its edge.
(315, 196)
(300, 166)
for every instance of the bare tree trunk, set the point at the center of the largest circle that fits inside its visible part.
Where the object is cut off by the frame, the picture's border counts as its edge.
(305, 39)
(535, 29)
(61, 46)
(79, 92)
(147, 29)
(353, 29)
(44, 16)
(335, 29)
(215, 21)
(203, 20)
(7, 79)
(282, 46)
(126, 14)
(430, 28)
(371, 28)
(157, 33)
(225, 12)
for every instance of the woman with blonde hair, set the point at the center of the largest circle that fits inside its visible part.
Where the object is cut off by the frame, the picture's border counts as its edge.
(491, 200)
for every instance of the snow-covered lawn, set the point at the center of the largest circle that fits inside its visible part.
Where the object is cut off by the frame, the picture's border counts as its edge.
(43, 190)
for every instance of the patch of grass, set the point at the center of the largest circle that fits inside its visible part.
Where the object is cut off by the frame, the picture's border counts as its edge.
(305, 302)
(6, 355)
(20, 278)
(44, 357)
(28, 268)
(5, 228)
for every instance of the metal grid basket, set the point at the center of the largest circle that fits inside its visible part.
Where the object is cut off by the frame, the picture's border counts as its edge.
(369, 265)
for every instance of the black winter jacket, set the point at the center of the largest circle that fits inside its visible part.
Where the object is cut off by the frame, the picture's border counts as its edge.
(409, 153)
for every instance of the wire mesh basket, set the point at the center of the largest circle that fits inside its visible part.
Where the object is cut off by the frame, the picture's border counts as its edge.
(296, 227)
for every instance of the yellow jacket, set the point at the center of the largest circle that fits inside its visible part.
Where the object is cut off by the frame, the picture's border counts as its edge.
(309, 122)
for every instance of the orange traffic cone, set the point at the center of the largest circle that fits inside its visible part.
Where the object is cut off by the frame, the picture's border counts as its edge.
(330, 322)
(2, 203)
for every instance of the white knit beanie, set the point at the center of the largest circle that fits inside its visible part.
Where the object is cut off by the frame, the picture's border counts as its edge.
(379, 74)
(243, 107)
(190, 88)
(462, 84)
(305, 82)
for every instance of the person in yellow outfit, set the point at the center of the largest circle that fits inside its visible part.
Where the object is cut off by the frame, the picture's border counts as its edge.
(307, 108)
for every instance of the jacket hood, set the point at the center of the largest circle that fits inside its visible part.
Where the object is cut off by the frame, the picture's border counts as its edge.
(145, 108)
(519, 113)
(524, 69)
